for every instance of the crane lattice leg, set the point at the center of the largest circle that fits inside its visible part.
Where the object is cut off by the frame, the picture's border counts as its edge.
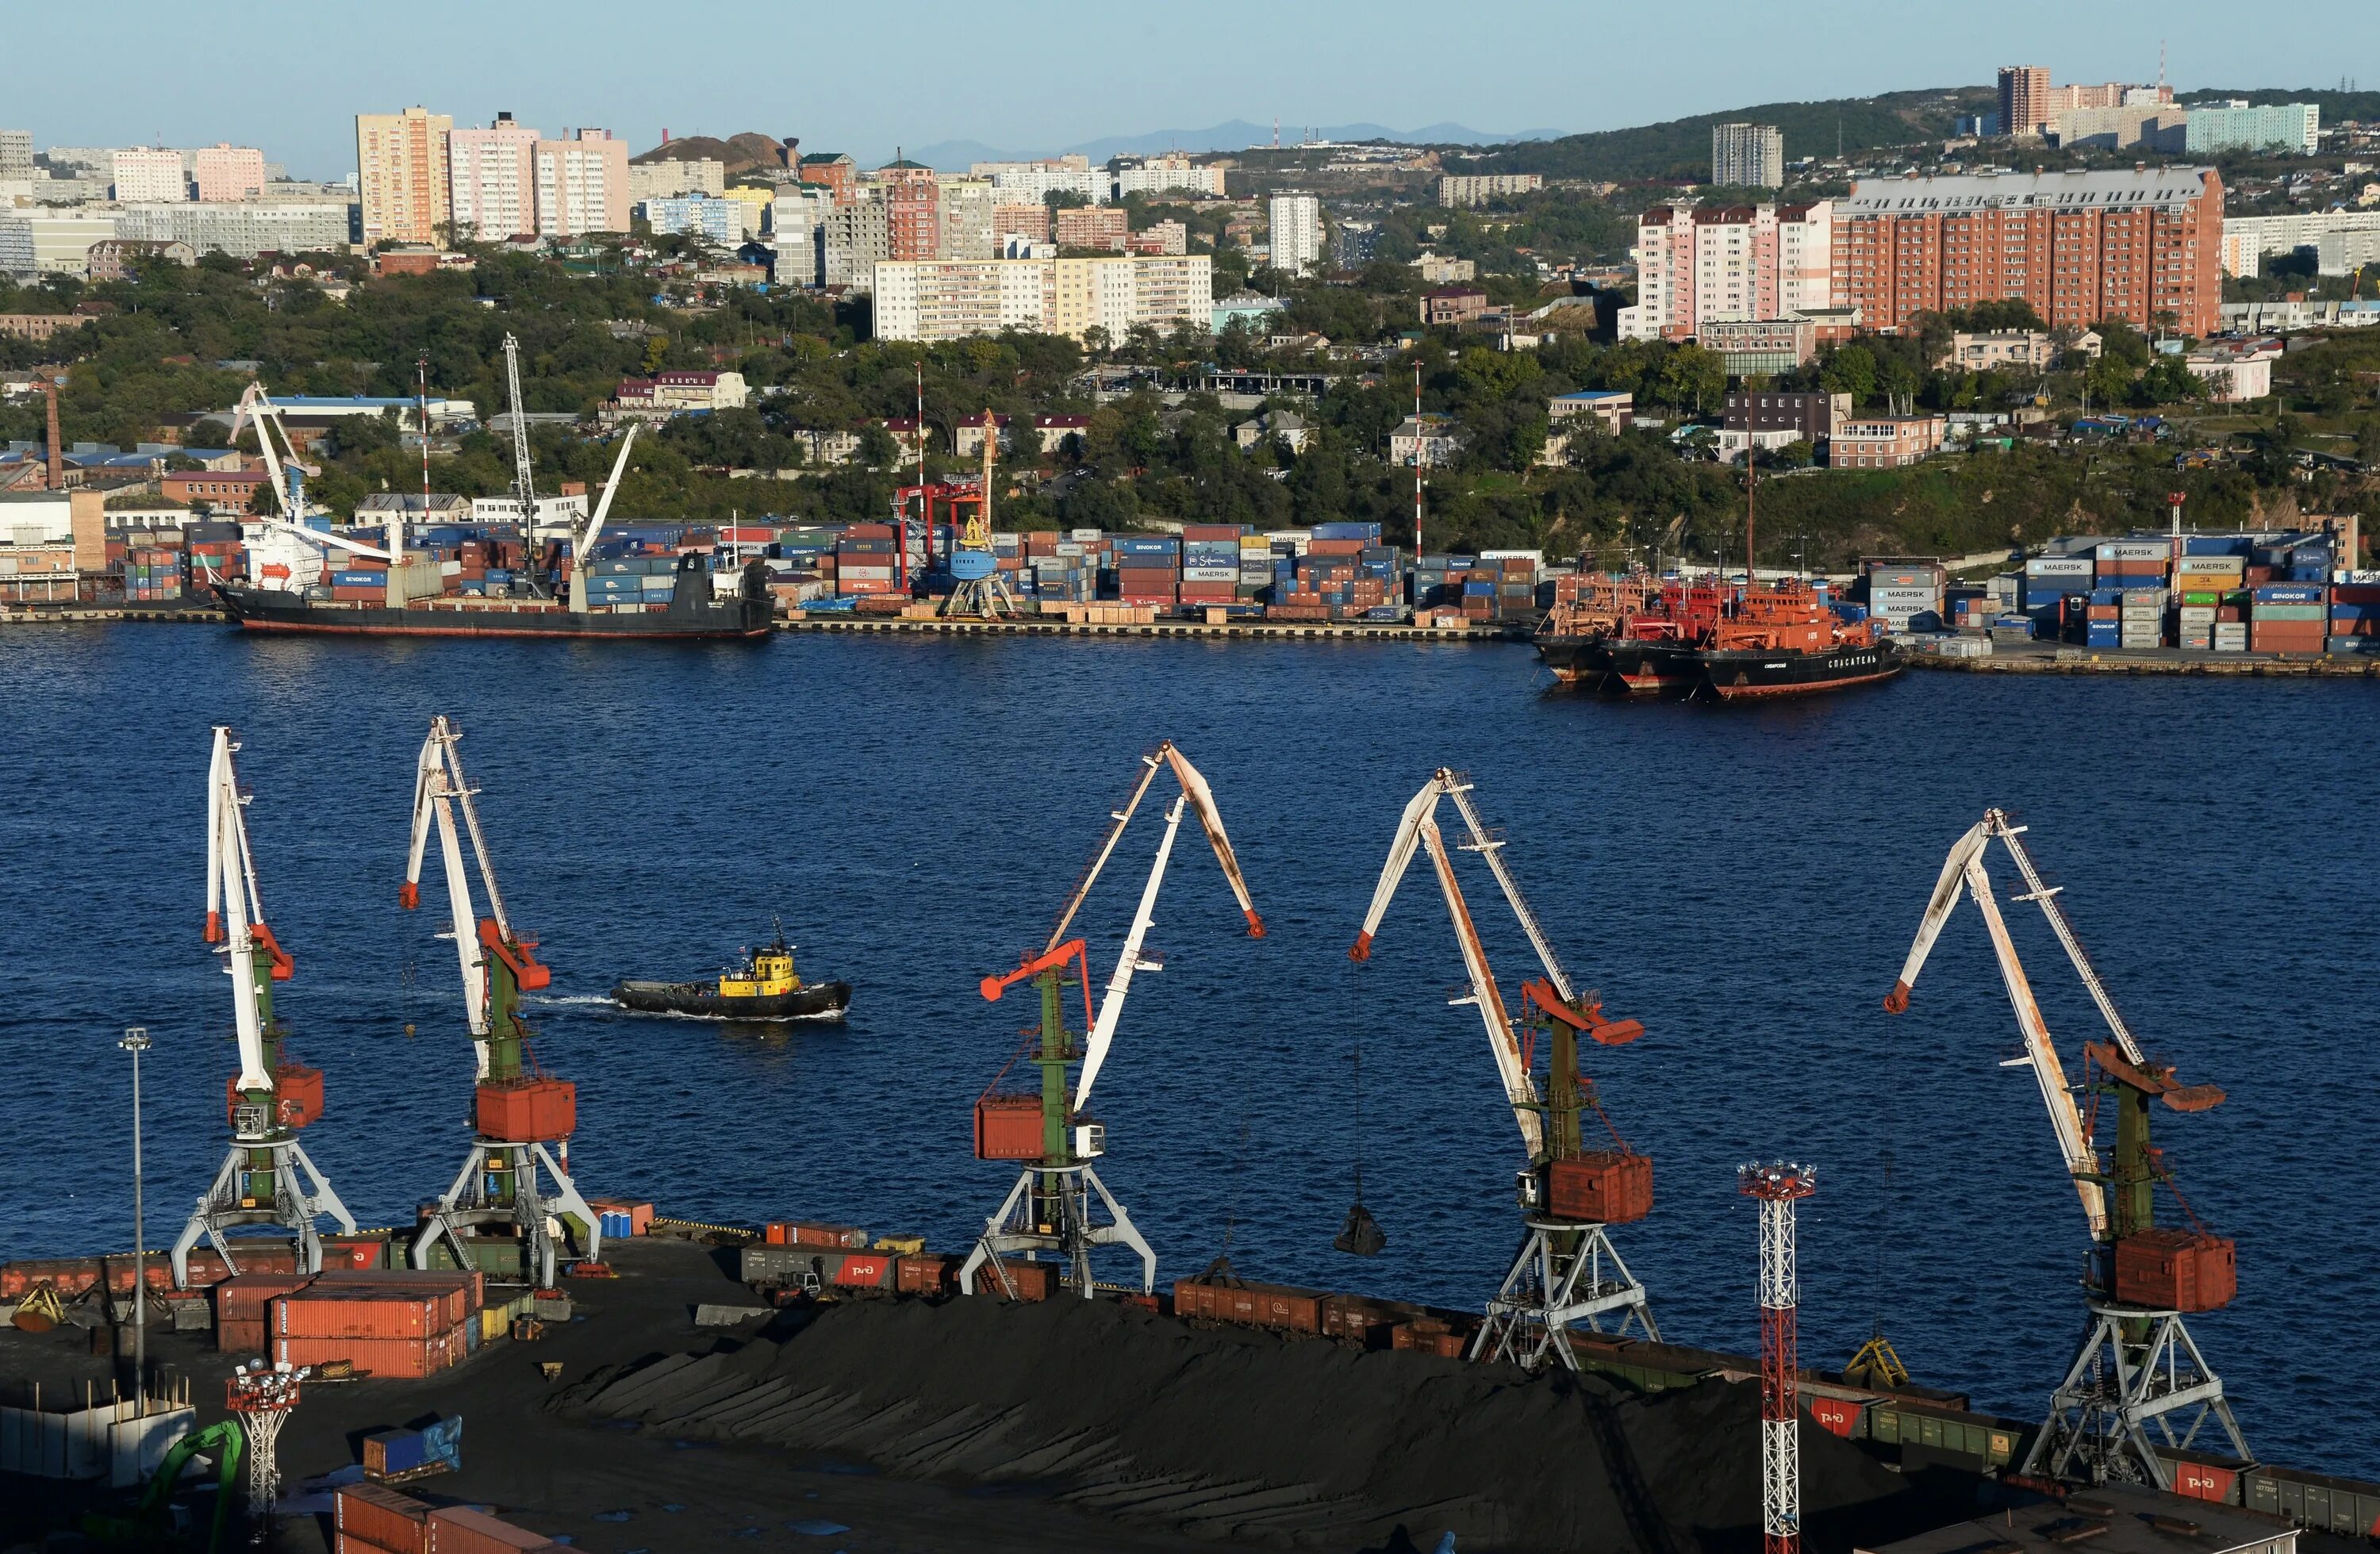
(1564, 1275)
(2124, 1397)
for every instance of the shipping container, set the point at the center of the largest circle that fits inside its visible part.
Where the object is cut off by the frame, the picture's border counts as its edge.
(407, 1357)
(458, 1529)
(1031, 1281)
(812, 1232)
(381, 1517)
(926, 1274)
(244, 1298)
(367, 1313)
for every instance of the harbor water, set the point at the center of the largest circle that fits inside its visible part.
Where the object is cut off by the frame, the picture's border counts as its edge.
(1744, 881)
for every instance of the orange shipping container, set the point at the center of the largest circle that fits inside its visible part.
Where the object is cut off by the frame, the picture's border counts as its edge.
(363, 1314)
(1033, 1281)
(457, 1529)
(377, 1357)
(460, 1293)
(1602, 1186)
(381, 1517)
(529, 1111)
(244, 1337)
(927, 1275)
(244, 1299)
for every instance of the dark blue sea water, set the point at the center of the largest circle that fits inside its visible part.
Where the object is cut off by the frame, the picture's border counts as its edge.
(1745, 882)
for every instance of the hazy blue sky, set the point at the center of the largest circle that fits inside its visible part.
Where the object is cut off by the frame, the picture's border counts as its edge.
(1036, 78)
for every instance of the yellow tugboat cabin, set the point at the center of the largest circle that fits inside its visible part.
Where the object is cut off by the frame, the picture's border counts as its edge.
(771, 975)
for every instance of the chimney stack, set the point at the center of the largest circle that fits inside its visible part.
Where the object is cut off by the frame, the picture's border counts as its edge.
(57, 473)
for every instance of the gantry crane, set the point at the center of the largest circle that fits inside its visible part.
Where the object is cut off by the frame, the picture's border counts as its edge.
(1567, 1272)
(270, 1100)
(1052, 1132)
(2138, 1369)
(516, 1110)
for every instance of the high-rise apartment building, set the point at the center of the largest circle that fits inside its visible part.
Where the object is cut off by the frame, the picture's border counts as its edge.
(493, 193)
(15, 154)
(1296, 223)
(581, 184)
(1747, 155)
(951, 299)
(857, 240)
(149, 175)
(2236, 126)
(2141, 245)
(1477, 189)
(224, 172)
(402, 176)
(1092, 226)
(913, 211)
(1698, 265)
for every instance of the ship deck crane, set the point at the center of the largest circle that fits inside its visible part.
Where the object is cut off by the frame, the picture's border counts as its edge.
(520, 1117)
(2138, 1374)
(1052, 1134)
(582, 544)
(1566, 1272)
(286, 476)
(266, 1177)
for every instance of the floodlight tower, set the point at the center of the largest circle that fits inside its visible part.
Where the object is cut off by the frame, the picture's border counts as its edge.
(1777, 1187)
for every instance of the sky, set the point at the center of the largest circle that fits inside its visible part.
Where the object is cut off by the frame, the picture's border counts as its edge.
(1034, 79)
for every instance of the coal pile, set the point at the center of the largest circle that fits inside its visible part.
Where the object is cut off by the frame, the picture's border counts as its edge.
(1250, 1437)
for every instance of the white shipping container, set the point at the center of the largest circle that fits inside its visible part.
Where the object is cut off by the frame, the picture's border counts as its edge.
(2197, 616)
(2058, 566)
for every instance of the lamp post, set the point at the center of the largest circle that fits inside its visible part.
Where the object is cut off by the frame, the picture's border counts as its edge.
(136, 1041)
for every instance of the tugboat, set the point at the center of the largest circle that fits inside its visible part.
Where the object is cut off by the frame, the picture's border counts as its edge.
(765, 988)
(1781, 641)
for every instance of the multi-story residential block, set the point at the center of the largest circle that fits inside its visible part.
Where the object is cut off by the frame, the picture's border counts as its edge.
(2235, 127)
(1437, 272)
(951, 299)
(1747, 346)
(798, 233)
(1172, 173)
(1295, 221)
(2146, 126)
(113, 259)
(1747, 155)
(833, 171)
(671, 176)
(224, 172)
(2143, 245)
(753, 203)
(1032, 183)
(19, 260)
(857, 240)
(1614, 408)
(913, 210)
(1803, 417)
(1698, 265)
(719, 221)
(1477, 189)
(494, 180)
(149, 175)
(59, 240)
(1160, 238)
(1031, 222)
(402, 182)
(970, 218)
(1091, 226)
(242, 229)
(1449, 307)
(1425, 440)
(582, 184)
(676, 394)
(15, 154)
(1884, 442)
(2028, 103)
(2249, 241)
(2020, 350)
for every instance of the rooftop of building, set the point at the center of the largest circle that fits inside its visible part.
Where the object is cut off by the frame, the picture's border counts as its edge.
(2076, 189)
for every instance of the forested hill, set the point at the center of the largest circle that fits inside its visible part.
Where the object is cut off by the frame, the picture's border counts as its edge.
(1681, 148)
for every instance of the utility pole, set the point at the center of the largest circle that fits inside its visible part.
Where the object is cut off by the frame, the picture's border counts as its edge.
(1777, 1187)
(1418, 443)
(136, 1041)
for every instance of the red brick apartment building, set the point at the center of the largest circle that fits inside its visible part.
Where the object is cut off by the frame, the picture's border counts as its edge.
(2079, 246)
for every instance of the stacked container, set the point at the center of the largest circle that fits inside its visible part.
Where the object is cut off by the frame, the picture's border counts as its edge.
(2354, 618)
(409, 1323)
(867, 560)
(1148, 570)
(1515, 576)
(152, 574)
(1905, 597)
(2288, 617)
(2143, 616)
(1210, 563)
(2049, 582)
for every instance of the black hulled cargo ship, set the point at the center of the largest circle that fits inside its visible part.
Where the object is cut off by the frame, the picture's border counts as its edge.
(691, 613)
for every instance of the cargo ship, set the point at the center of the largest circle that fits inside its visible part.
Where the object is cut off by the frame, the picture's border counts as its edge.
(766, 987)
(691, 613)
(1630, 636)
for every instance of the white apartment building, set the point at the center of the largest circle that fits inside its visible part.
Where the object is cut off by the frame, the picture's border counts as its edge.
(966, 207)
(244, 229)
(1747, 155)
(1296, 231)
(494, 179)
(15, 154)
(1728, 262)
(798, 219)
(858, 239)
(951, 299)
(1032, 183)
(149, 175)
(1477, 189)
(666, 179)
(61, 240)
(2247, 240)
(1173, 173)
(581, 184)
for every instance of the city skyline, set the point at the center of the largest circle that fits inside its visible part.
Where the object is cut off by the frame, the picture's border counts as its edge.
(1085, 73)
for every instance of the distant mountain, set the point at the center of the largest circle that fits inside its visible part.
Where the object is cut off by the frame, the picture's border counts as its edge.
(1679, 149)
(741, 152)
(953, 156)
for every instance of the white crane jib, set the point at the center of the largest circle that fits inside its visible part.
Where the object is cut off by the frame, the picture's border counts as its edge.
(1964, 869)
(1103, 1029)
(522, 478)
(235, 910)
(438, 789)
(1211, 819)
(582, 544)
(1422, 811)
(1520, 1089)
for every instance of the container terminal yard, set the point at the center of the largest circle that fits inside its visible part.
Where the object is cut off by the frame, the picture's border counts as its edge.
(529, 1366)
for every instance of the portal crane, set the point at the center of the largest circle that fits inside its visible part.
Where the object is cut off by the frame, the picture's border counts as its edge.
(260, 1182)
(977, 587)
(496, 1206)
(2138, 1369)
(1054, 1133)
(1567, 1272)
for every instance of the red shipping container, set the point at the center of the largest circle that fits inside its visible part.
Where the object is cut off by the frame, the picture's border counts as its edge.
(811, 1233)
(2176, 1270)
(382, 1517)
(244, 1337)
(457, 1529)
(2204, 1481)
(354, 1252)
(1032, 1281)
(407, 1357)
(1839, 1415)
(868, 1272)
(1008, 1128)
(460, 1293)
(245, 1298)
(926, 1274)
(527, 1111)
(366, 1314)
(296, 1095)
(1603, 1186)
